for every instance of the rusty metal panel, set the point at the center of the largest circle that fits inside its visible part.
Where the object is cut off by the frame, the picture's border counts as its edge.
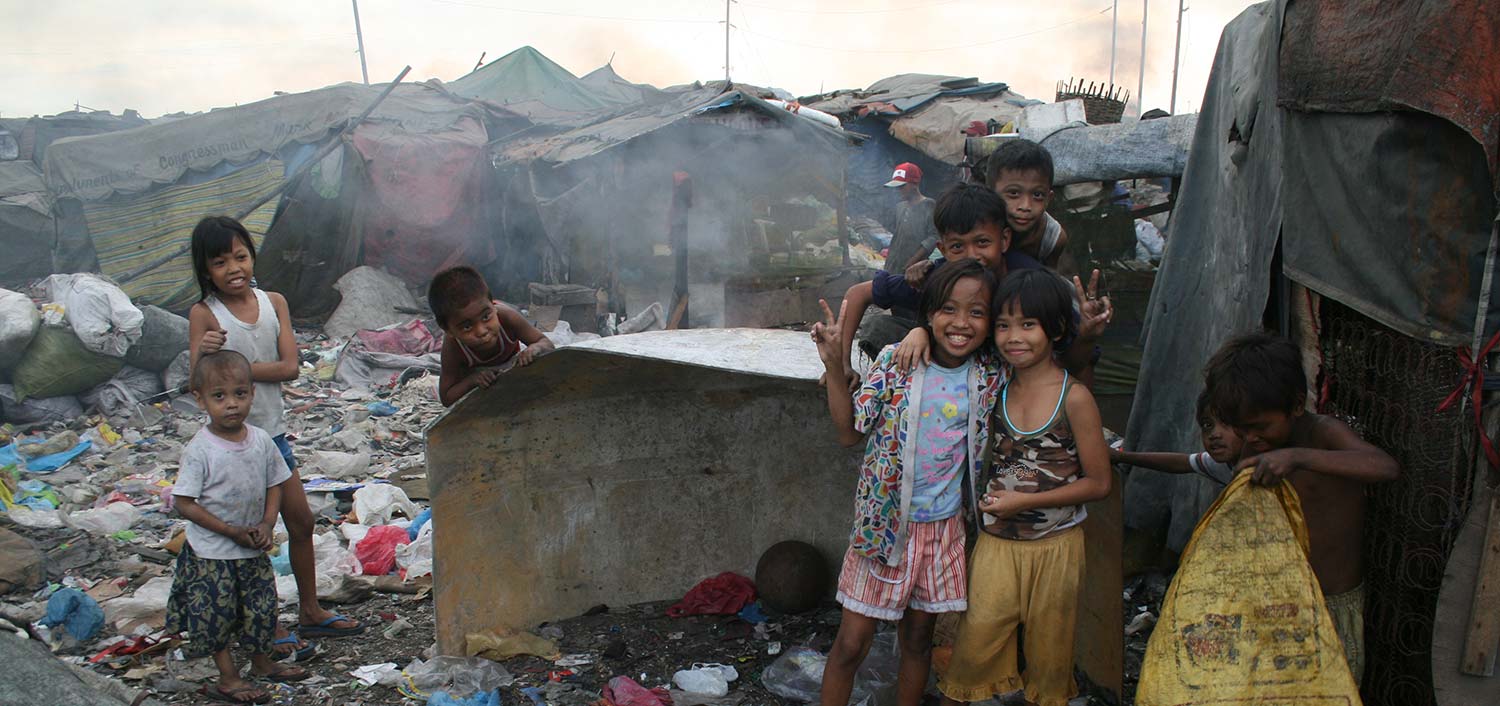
(628, 469)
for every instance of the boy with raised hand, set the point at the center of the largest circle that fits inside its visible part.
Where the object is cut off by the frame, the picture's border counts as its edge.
(1256, 385)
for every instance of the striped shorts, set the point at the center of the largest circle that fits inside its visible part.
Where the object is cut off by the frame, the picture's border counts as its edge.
(931, 576)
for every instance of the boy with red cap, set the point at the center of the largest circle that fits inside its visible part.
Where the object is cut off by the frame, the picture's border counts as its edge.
(913, 220)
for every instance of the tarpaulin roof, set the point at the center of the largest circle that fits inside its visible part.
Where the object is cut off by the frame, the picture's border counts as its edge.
(609, 86)
(904, 93)
(529, 83)
(1386, 212)
(594, 139)
(20, 177)
(1362, 56)
(132, 161)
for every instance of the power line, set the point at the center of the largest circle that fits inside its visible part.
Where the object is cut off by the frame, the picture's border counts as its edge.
(213, 48)
(930, 49)
(800, 11)
(558, 13)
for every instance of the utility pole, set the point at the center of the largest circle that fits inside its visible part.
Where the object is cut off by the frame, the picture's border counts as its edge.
(360, 36)
(1114, 20)
(1140, 86)
(726, 44)
(1176, 53)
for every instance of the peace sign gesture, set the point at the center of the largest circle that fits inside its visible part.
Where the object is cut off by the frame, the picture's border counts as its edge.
(825, 334)
(1094, 310)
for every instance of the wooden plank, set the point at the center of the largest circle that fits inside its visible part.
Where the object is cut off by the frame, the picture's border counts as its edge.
(1483, 636)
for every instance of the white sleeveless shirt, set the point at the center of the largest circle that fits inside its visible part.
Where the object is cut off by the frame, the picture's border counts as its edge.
(257, 342)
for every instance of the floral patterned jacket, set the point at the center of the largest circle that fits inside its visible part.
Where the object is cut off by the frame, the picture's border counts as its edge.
(886, 408)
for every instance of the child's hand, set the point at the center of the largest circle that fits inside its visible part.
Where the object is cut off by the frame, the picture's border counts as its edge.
(264, 536)
(1116, 455)
(826, 335)
(484, 378)
(1094, 311)
(534, 351)
(1271, 467)
(913, 349)
(212, 341)
(1002, 503)
(917, 274)
(243, 536)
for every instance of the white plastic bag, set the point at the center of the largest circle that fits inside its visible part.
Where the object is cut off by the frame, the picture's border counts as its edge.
(115, 517)
(337, 464)
(176, 375)
(100, 313)
(127, 389)
(377, 503)
(19, 321)
(147, 601)
(416, 557)
(371, 299)
(708, 679)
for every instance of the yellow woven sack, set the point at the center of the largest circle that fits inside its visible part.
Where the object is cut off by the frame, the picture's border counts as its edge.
(1244, 621)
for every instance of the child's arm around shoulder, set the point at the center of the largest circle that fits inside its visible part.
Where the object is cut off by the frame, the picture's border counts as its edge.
(537, 343)
(1328, 446)
(1154, 460)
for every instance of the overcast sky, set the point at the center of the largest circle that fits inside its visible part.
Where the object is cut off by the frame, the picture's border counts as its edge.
(163, 56)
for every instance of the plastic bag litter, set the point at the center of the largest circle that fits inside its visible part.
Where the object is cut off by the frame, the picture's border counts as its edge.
(377, 551)
(164, 335)
(378, 503)
(19, 320)
(107, 520)
(710, 679)
(418, 522)
(650, 318)
(100, 313)
(1244, 620)
(36, 410)
(500, 645)
(371, 299)
(798, 673)
(73, 609)
(624, 691)
(385, 673)
(57, 364)
(147, 603)
(457, 675)
(337, 464)
(122, 393)
(416, 557)
(443, 698)
(38, 519)
(176, 375)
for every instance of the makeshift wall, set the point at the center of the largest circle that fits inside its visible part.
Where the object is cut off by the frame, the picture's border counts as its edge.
(27, 230)
(621, 473)
(870, 166)
(1215, 275)
(134, 231)
(315, 237)
(423, 210)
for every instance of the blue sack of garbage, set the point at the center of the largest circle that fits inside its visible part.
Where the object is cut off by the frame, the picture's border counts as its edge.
(75, 611)
(481, 698)
(381, 408)
(422, 518)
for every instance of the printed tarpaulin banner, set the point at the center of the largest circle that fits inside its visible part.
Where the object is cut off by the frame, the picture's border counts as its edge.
(132, 232)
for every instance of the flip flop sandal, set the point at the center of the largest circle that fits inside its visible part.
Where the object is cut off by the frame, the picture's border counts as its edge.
(300, 654)
(325, 629)
(286, 674)
(234, 696)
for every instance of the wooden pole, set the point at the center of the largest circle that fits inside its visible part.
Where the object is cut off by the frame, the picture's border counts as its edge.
(843, 213)
(1176, 56)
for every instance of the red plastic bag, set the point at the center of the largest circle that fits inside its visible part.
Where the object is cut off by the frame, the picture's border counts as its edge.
(724, 594)
(377, 551)
(624, 691)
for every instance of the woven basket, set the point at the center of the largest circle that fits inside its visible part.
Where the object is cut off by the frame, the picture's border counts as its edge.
(1096, 109)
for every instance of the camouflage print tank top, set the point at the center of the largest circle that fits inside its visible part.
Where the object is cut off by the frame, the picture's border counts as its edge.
(1034, 462)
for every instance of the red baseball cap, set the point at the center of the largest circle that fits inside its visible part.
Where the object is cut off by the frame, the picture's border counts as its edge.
(906, 173)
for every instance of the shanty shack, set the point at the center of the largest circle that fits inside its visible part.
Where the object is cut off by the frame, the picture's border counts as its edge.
(1339, 192)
